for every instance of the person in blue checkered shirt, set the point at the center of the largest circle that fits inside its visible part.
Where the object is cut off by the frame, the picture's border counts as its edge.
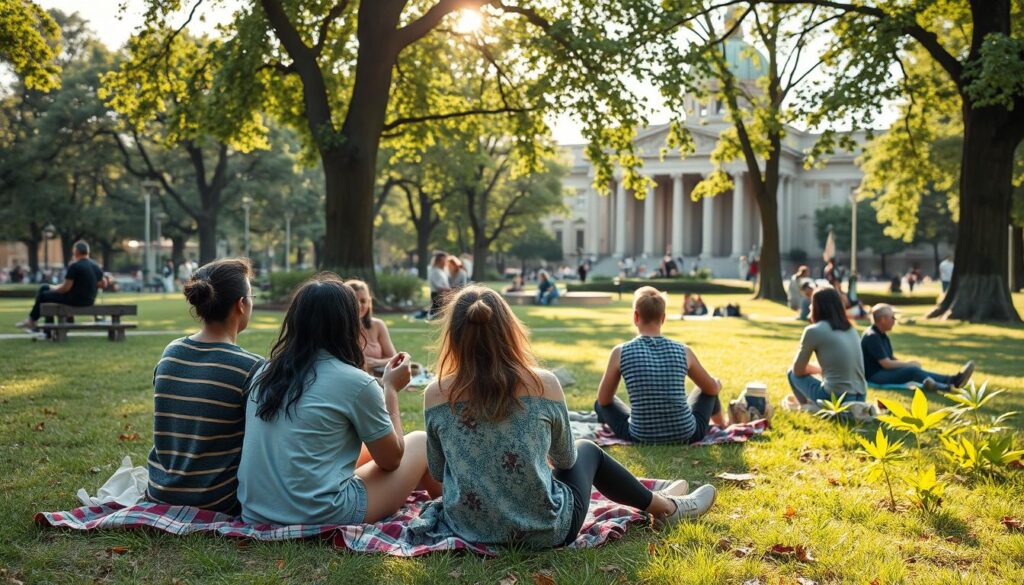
(655, 370)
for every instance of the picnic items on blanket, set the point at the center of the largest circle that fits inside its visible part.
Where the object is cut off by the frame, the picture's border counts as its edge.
(126, 487)
(413, 531)
(585, 425)
(859, 411)
(751, 404)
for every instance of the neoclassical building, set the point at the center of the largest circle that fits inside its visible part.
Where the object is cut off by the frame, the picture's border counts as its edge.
(717, 229)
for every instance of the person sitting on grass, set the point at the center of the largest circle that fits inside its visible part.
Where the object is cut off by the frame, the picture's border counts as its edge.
(374, 338)
(693, 305)
(494, 422)
(517, 284)
(836, 345)
(311, 411)
(655, 370)
(882, 368)
(547, 290)
(796, 282)
(81, 283)
(199, 388)
(806, 290)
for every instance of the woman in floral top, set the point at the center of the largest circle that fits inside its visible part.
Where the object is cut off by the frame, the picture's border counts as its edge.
(494, 421)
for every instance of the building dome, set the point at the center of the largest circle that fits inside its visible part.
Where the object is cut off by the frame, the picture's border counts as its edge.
(745, 61)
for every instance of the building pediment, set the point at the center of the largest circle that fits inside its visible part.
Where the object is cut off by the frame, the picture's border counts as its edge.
(650, 141)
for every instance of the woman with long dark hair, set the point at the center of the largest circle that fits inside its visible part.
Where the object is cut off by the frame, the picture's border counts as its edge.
(836, 345)
(493, 422)
(312, 408)
(199, 385)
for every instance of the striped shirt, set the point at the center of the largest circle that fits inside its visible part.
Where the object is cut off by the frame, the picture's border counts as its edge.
(199, 422)
(654, 369)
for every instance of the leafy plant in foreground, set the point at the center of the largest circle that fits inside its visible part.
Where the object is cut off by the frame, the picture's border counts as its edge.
(916, 421)
(832, 409)
(883, 454)
(926, 490)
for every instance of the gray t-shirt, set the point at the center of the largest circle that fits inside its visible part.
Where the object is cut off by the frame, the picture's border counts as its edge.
(301, 470)
(438, 279)
(839, 355)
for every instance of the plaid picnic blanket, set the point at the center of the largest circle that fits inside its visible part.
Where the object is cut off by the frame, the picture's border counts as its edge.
(413, 531)
(585, 426)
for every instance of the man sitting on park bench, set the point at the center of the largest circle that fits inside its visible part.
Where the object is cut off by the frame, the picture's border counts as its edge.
(655, 370)
(882, 368)
(81, 282)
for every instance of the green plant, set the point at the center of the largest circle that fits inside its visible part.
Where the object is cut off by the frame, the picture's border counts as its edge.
(833, 408)
(925, 489)
(967, 414)
(916, 421)
(883, 454)
(398, 289)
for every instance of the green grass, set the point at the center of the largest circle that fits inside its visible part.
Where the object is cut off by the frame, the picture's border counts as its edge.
(89, 391)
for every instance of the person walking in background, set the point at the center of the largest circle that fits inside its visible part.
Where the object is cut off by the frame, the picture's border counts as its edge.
(753, 269)
(946, 272)
(581, 271)
(167, 276)
(743, 268)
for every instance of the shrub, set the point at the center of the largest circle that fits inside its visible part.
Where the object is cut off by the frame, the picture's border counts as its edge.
(398, 289)
(672, 285)
(283, 283)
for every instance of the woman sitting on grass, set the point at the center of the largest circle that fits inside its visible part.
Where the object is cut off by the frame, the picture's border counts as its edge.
(836, 345)
(311, 409)
(374, 339)
(494, 420)
(199, 385)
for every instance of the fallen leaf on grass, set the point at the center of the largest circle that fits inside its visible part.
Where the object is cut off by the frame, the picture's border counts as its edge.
(1013, 524)
(128, 437)
(810, 455)
(542, 579)
(652, 549)
(742, 551)
(739, 477)
(724, 544)
(875, 581)
(50, 411)
(94, 470)
(280, 563)
(117, 550)
(784, 552)
(752, 582)
(40, 426)
(789, 513)
(1018, 464)
(509, 579)
(833, 481)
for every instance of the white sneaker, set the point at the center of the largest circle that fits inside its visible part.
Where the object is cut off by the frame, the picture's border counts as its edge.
(679, 487)
(26, 325)
(690, 506)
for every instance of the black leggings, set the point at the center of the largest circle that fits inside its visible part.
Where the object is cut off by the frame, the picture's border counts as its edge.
(595, 468)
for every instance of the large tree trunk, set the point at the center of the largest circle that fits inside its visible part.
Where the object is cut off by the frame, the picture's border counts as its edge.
(423, 247)
(107, 255)
(769, 274)
(979, 290)
(1018, 258)
(207, 230)
(300, 254)
(481, 249)
(178, 249)
(33, 254)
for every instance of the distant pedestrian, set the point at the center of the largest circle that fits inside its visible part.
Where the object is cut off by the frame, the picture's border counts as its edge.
(582, 270)
(946, 272)
(167, 276)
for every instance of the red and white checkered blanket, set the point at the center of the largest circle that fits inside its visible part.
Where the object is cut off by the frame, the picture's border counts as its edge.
(397, 535)
(737, 433)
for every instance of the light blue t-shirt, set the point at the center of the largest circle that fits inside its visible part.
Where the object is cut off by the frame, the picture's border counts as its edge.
(299, 469)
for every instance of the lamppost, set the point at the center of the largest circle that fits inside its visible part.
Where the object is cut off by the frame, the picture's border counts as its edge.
(246, 205)
(853, 235)
(148, 188)
(287, 241)
(159, 217)
(48, 233)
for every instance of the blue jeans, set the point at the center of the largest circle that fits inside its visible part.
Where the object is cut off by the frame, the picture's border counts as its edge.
(547, 298)
(904, 375)
(809, 388)
(703, 407)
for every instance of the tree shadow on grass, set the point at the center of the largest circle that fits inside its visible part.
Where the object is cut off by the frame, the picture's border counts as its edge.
(951, 527)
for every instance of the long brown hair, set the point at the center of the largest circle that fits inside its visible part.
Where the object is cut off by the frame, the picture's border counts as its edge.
(484, 354)
(360, 286)
(827, 305)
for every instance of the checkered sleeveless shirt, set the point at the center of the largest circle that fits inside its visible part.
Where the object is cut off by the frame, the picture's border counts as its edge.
(654, 369)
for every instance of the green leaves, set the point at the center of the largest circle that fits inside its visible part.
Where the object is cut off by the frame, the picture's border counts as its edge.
(972, 398)
(925, 489)
(30, 43)
(917, 420)
(833, 407)
(881, 450)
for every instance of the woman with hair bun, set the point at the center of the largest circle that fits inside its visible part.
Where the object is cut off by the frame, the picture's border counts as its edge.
(494, 420)
(199, 386)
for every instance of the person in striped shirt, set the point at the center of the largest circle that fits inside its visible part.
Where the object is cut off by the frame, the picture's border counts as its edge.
(655, 370)
(199, 388)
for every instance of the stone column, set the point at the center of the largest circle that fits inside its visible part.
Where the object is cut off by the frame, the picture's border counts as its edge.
(707, 241)
(677, 215)
(739, 208)
(649, 221)
(620, 219)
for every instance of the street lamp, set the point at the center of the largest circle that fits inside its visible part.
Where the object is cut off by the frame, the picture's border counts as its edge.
(48, 233)
(853, 235)
(148, 187)
(246, 205)
(159, 217)
(287, 241)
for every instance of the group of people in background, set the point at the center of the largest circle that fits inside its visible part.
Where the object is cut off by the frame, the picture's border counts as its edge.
(447, 273)
(313, 434)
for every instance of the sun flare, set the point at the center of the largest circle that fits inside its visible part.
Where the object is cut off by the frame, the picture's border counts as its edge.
(469, 21)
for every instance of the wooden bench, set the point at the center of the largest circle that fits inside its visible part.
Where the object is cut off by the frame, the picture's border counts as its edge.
(114, 327)
(565, 299)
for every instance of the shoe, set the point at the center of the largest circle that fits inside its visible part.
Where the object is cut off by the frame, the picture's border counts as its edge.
(963, 376)
(930, 385)
(690, 506)
(27, 325)
(679, 487)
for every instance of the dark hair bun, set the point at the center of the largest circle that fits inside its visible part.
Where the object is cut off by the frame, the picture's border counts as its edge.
(479, 313)
(200, 294)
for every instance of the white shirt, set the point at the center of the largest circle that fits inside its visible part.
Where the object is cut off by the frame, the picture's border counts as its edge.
(438, 279)
(946, 270)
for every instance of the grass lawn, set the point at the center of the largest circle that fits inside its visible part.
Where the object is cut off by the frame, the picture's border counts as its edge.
(63, 408)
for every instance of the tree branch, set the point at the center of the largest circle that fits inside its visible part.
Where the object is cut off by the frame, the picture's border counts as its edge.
(325, 25)
(446, 116)
(419, 28)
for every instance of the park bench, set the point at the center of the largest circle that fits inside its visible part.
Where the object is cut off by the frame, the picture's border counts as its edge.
(572, 299)
(113, 326)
